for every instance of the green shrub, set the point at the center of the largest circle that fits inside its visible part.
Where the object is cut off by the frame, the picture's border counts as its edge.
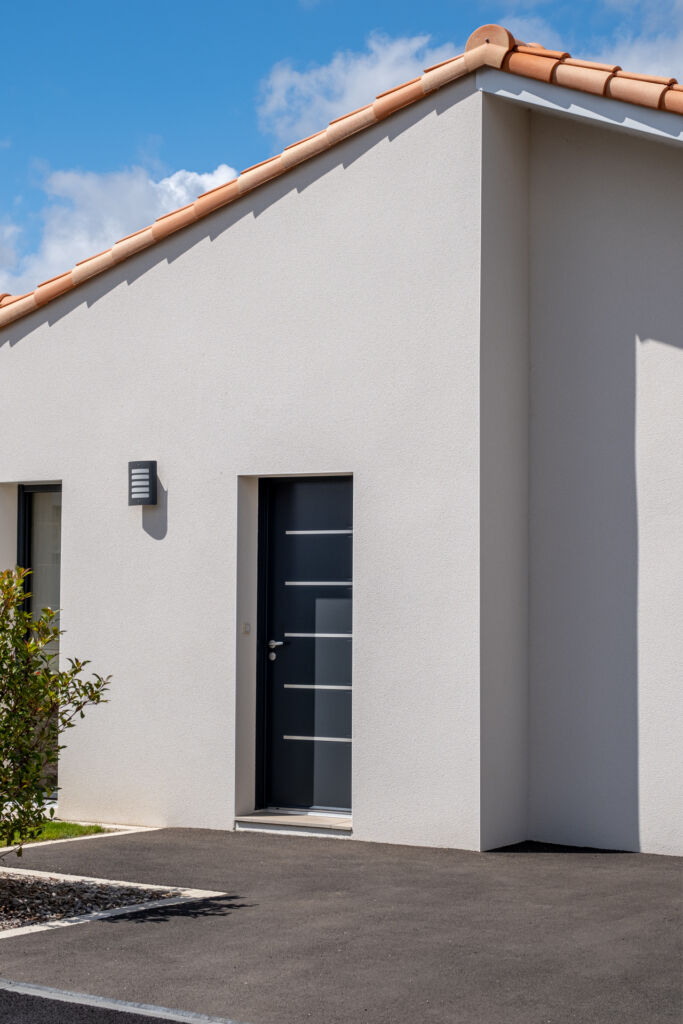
(38, 703)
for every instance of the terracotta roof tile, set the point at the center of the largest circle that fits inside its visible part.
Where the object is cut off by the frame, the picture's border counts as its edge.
(89, 268)
(673, 99)
(646, 78)
(573, 62)
(488, 46)
(388, 102)
(304, 149)
(635, 90)
(442, 74)
(132, 243)
(530, 65)
(215, 198)
(540, 51)
(581, 77)
(495, 34)
(174, 221)
(51, 289)
(349, 124)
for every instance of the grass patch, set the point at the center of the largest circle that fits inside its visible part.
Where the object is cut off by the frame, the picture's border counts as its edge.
(64, 830)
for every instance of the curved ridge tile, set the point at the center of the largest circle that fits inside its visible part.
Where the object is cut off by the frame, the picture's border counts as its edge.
(174, 221)
(23, 305)
(585, 79)
(395, 99)
(303, 150)
(441, 74)
(672, 99)
(530, 66)
(212, 200)
(643, 92)
(495, 34)
(52, 288)
(349, 124)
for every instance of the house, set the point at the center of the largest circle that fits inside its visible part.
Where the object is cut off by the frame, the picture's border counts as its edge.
(411, 395)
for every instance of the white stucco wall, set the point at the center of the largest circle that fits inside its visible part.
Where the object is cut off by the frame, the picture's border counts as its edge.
(606, 448)
(329, 323)
(504, 483)
(474, 310)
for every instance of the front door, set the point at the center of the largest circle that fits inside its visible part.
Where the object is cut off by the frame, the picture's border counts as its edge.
(306, 536)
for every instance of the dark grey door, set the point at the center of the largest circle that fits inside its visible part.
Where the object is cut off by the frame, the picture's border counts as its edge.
(306, 537)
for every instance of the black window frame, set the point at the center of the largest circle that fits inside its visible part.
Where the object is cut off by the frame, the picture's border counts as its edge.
(25, 494)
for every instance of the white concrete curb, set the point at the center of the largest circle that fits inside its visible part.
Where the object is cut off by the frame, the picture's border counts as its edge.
(100, 1002)
(115, 830)
(181, 896)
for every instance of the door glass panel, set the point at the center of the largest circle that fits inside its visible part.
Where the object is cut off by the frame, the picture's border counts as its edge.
(309, 616)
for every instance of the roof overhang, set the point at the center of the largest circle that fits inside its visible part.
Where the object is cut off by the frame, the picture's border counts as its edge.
(581, 106)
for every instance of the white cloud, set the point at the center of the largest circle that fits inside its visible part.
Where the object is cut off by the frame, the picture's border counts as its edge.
(9, 237)
(660, 54)
(647, 36)
(87, 212)
(295, 103)
(534, 30)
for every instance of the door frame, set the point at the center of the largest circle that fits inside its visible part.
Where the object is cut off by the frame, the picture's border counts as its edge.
(264, 485)
(263, 545)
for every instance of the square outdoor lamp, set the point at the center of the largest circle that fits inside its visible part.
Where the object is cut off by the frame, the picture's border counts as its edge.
(142, 483)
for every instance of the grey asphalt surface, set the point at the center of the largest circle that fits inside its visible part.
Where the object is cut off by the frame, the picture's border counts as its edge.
(333, 931)
(22, 1009)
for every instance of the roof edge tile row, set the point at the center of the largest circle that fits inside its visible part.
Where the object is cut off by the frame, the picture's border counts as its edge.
(489, 46)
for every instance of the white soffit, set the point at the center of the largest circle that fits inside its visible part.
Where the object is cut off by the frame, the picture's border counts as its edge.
(582, 106)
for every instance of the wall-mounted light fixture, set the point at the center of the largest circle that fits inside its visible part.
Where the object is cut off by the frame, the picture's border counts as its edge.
(142, 483)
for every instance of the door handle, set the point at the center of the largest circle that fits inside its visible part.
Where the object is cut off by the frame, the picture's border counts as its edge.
(275, 643)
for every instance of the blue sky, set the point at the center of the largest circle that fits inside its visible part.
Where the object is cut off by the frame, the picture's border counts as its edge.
(115, 113)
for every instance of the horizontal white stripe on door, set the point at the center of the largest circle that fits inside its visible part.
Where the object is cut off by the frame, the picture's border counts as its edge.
(326, 636)
(313, 686)
(318, 583)
(313, 533)
(320, 739)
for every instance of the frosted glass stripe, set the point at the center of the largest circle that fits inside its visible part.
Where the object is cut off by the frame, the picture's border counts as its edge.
(320, 739)
(313, 686)
(318, 583)
(326, 636)
(313, 533)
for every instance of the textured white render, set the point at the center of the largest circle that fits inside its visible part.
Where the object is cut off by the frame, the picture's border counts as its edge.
(606, 529)
(473, 308)
(327, 323)
(504, 426)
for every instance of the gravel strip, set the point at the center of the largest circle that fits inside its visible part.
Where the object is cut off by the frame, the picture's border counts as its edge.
(31, 900)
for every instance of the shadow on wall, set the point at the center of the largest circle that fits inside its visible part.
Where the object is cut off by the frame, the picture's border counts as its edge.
(587, 417)
(155, 517)
(252, 204)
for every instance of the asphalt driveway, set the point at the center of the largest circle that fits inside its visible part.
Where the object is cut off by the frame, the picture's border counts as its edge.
(336, 931)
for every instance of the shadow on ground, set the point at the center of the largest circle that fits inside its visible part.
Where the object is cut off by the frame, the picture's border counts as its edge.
(213, 906)
(529, 846)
